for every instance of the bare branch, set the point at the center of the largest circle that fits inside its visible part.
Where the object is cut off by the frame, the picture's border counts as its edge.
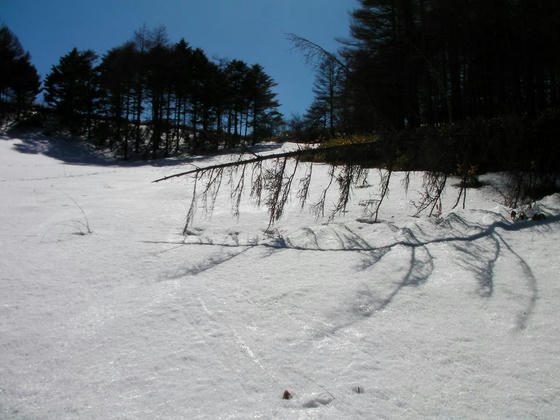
(314, 54)
(286, 190)
(349, 175)
(462, 193)
(192, 208)
(318, 209)
(260, 158)
(274, 183)
(406, 182)
(237, 192)
(304, 183)
(212, 188)
(257, 182)
(385, 180)
(434, 184)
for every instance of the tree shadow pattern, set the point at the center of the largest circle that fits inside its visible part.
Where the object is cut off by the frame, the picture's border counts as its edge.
(478, 248)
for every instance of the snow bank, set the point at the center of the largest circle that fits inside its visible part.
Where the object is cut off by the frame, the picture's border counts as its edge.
(411, 317)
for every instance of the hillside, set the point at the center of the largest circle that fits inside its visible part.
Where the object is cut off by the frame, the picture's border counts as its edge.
(107, 311)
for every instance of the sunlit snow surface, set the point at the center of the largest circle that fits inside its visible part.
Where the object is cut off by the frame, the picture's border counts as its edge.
(407, 318)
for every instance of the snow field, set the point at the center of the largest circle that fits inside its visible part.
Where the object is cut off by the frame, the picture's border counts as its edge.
(451, 317)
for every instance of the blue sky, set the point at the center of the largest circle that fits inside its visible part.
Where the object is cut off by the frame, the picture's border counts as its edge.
(250, 30)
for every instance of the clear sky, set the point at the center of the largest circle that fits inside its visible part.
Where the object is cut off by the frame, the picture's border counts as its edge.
(250, 30)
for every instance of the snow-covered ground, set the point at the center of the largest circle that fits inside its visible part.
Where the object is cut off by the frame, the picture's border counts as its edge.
(456, 317)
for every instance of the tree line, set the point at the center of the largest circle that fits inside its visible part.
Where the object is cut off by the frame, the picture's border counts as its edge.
(450, 86)
(417, 62)
(150, 98)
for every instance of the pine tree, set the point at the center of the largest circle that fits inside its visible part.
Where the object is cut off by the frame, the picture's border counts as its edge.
(19, 80)
(326, 105)
(263, 103)
(237, 72)
(71, 88)
(182, 81)
(117, 75)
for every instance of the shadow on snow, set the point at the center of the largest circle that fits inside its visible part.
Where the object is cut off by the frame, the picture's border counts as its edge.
(478, 248)
(78, 152)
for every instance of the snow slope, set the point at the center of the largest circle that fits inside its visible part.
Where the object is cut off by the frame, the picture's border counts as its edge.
(407, 318)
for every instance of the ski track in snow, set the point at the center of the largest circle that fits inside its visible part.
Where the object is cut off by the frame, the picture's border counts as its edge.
(407, 318)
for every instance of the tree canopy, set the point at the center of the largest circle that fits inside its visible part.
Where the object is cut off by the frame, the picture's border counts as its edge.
(19, 80)
(71, 88)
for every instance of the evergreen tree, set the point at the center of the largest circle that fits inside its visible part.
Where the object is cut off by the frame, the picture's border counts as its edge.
(19, 80)
(182, 81)
(157, 61)
(71, 88)
(117, 74)
(263, 103)
(201, 70)
(237, 74)
(325, 109)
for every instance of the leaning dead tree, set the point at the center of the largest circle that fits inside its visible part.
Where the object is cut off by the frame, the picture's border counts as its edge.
(271, 179)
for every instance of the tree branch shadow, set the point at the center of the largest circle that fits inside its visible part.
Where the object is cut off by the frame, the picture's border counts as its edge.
(209, 263)
(478, 258)
(523, 317)
(479, 247)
